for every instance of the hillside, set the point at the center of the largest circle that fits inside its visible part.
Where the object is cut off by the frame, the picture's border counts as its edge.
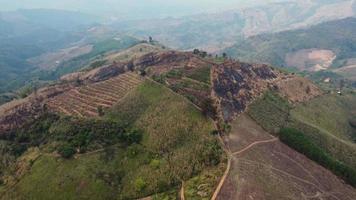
(304, 48)
(213, 31)
(262, 167)
(167, 124)
(119, 171)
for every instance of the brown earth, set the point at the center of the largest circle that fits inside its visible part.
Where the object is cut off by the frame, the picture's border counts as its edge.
(84, 101)
(268, 169)
(297, 89)
(236, 84)
(54, 59)
(310, 59)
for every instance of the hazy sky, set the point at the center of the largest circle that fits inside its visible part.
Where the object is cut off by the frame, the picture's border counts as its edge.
(131, 8)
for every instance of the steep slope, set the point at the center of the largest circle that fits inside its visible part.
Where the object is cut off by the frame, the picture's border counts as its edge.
(264, 168)
(315, 48)
(152, 141)
(325, 120)
(176, 146)
(92, 99)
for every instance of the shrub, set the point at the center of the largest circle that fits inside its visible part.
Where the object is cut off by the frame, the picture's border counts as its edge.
(66, 151)
(140, 184)
(155, 163)
(134, 136)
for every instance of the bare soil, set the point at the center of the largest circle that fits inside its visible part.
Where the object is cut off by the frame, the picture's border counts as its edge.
(310, 59)
(272, 170)
(297, 89)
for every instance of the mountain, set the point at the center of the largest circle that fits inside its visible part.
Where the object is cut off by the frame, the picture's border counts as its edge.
(29, 33)
(163, 123)
(214, 31)
(37, 46)
(284, 48)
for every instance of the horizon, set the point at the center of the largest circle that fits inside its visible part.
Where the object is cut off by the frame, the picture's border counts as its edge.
(137, 9)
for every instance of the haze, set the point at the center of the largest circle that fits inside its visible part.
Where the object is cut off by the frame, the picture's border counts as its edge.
(132, 9)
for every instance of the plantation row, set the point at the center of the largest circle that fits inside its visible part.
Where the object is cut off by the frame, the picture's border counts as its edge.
(302, 143)
(89, 100)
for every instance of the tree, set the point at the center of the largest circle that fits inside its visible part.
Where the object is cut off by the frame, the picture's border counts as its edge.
(224, 55)
(150, 39)
(100, 111)
(66, 151)
(208, 108)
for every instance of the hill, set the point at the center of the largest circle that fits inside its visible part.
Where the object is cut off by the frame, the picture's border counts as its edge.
(157, 164)
(151, 127)
(330, 44)
(215, 31)
(29, 33)
(262, 167)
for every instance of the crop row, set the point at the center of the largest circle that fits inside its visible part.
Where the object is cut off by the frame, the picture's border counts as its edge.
(85, 101)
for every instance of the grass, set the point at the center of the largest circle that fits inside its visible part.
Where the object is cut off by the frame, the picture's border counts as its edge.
(177, 145)
(270, 111)
(201, 74)
(330, 113)
(300, 142)
(324, 119)
(203, 186)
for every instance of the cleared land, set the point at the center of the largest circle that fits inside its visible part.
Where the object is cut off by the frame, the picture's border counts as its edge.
(348, 72)
(54, 59)
(85, 101)
(177, 145)
(325, 119)
(133, 52)
(310, 59)
(268, 169)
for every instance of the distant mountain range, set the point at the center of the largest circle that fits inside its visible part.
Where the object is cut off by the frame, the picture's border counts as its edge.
(213, 31)
(336, 37)
(29, 33)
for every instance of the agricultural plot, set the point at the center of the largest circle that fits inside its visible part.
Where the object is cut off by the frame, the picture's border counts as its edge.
(264, 168)
(88, 100)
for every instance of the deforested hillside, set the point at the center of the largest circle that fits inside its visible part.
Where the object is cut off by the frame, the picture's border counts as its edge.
(92, 99)
(262, 167)
(173, 125)
(138, 149)
(319, 47)
(325, 120)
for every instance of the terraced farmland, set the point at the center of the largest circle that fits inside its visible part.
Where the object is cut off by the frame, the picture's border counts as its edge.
(84, 101)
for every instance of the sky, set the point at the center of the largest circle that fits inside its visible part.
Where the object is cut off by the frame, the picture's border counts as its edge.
(131, 9)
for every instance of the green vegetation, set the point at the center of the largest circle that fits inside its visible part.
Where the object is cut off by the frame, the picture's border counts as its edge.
(202, 187)
(330, 113)
(112, 159)
(337, 36)
(99, 50)
(201, 74)
(271, 111)
(325, 120)
(300, 142)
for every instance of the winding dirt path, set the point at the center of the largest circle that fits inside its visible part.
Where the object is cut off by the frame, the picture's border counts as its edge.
(230, 157)
(222, 181)
(254, 144)
(182, 197)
